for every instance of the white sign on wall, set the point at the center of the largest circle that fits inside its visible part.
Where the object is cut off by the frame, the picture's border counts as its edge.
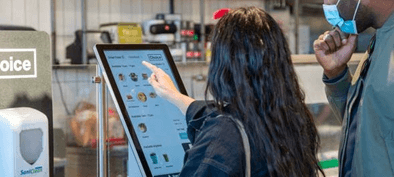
(18, 63)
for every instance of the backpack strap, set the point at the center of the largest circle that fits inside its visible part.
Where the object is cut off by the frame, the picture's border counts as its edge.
(245, 142)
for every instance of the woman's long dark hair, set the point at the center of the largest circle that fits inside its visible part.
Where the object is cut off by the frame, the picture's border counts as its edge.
(252, 73)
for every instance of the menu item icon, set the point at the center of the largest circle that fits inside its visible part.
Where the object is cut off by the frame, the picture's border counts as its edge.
(142, 127)
(129, 97)
(152, 95)
(166, 157)
(142, 97)
(145, 76)
(134, 77)
(186, 146)
(183, 135)
(121, 77)
(154, 158)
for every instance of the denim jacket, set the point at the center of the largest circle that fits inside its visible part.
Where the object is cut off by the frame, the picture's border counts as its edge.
(217, 145)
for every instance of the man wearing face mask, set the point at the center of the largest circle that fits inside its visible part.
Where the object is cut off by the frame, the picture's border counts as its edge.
(363, 102)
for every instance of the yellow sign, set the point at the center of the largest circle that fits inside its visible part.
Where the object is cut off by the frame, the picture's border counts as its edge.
(129, 33)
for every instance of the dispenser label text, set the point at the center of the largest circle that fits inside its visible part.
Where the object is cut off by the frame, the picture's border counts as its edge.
(31, 171)
(18, 63)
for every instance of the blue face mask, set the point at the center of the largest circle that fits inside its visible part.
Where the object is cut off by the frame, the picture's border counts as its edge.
(332, 16)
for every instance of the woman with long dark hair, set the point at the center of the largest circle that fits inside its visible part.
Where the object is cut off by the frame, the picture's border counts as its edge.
(252, 79)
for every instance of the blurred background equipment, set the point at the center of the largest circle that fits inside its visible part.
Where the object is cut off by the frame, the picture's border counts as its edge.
(74, 50)
(166, 29)
(158, 31)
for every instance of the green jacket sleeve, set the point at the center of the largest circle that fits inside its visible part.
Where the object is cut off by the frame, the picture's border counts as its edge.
(336, 92)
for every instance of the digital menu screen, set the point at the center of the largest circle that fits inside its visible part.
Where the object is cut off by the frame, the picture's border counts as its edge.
(159, 125)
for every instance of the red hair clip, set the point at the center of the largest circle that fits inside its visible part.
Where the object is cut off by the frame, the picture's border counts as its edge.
(220, 13)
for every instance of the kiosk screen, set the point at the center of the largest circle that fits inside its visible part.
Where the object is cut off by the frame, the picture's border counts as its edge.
(157, 128)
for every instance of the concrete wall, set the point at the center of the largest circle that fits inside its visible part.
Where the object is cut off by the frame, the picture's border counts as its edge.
(32, 13)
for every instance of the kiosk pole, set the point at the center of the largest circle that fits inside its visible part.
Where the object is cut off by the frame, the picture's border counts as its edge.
(102, 122)
(202, 30)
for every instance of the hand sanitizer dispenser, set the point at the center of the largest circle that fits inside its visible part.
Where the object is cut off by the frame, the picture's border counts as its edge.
(24, 143)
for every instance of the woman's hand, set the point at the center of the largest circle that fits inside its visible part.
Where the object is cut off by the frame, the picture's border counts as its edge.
(165, 88)
(161, 82)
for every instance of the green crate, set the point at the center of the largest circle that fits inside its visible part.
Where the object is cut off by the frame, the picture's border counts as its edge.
(328, 163)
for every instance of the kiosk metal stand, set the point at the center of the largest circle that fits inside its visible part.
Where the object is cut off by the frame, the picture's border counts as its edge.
(103, 146)
(101, 89)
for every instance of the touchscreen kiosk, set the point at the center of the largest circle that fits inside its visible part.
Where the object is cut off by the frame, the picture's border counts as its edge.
(155, 128)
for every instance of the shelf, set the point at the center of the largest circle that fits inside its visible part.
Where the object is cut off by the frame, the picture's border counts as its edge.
(191, 63)
(73, 66)
(297, 59)
(311, 58)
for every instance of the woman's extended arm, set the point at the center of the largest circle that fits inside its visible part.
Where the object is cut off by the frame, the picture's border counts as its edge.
(166, 89)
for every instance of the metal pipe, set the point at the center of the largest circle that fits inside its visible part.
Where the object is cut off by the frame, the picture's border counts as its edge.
(102, 125)
(84, 40)
(202, 30)
(171, 6)
(297, 23)
(53, 30)
(53, 46)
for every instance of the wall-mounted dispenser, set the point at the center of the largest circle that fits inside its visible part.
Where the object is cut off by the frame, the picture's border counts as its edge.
(24, 143)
